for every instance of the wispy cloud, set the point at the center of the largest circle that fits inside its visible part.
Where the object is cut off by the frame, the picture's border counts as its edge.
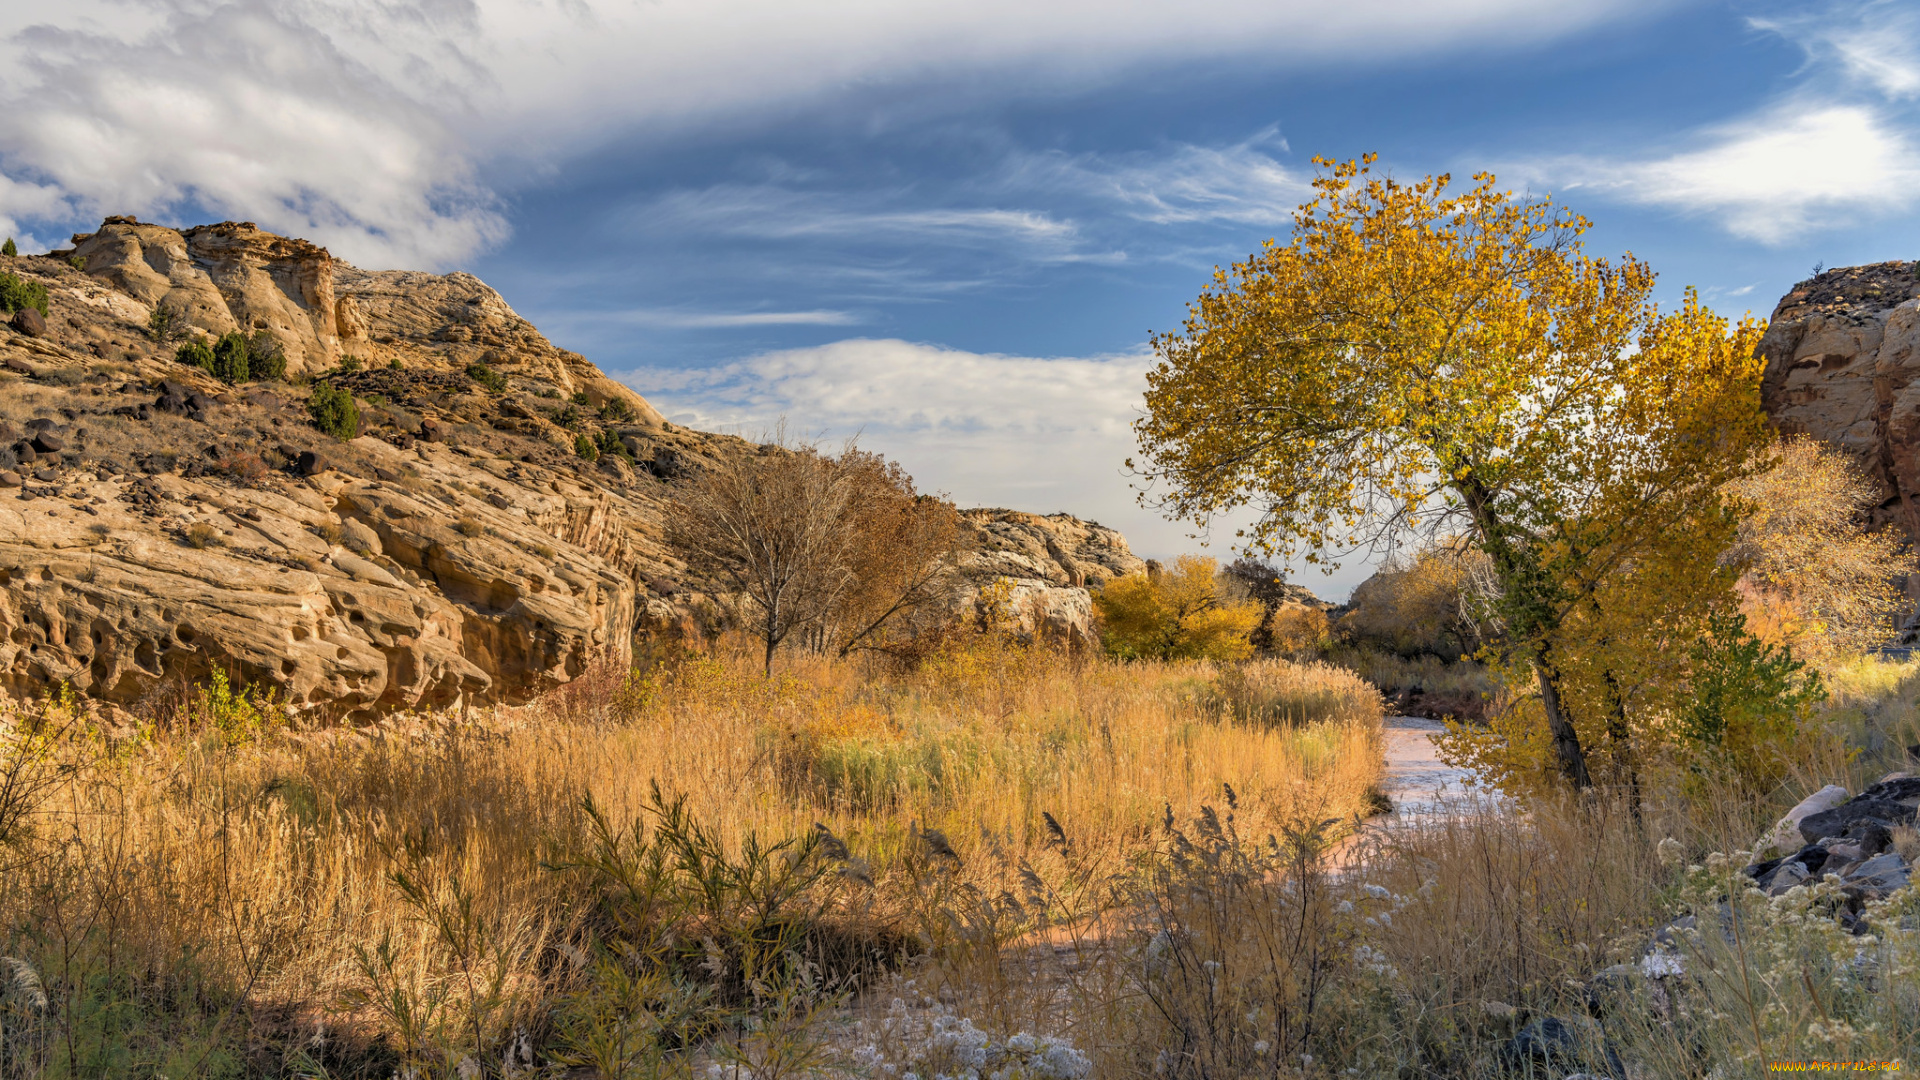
(1184, 184)
(771, 212)
(1841, 148)
(1876, 44)
(369, 125)
(676, 319)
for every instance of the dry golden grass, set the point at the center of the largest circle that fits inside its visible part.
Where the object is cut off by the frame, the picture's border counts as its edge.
(386, 895)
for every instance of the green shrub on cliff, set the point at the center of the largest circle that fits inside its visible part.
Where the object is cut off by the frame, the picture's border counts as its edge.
(195, 354)
(333, 411)
(230, 358)
(16, 294)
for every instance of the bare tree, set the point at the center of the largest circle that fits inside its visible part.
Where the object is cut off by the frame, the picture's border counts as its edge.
(842, 551)
(769, 529)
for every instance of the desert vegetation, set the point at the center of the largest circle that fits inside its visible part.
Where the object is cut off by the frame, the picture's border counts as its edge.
(649, 872)
(860, 814)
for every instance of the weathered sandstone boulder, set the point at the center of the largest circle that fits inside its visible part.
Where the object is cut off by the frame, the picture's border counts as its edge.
(1050, 566)
(1843, 354)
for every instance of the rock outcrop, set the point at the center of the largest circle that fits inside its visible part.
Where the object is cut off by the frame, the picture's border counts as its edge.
(1829, 834)
(1843, 365)
(1047, 567)
(157, 525)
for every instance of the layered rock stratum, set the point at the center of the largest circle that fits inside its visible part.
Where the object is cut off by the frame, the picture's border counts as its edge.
(157, 525)
(1843, 365)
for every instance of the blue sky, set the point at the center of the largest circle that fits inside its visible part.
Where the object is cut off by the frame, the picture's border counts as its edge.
(948, 228)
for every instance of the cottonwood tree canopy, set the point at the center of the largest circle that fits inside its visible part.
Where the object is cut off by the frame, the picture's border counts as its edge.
(1418, 359)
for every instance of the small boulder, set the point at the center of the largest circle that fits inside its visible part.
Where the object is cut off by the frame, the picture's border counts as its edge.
(1547, 1040)
(1880, 876)
(311, 463)
(29, 322)
(1895, 788)
(1786, 834)
(45, 476)
(24, 452)
(48, 443)
(9, 478)
(1836, 822)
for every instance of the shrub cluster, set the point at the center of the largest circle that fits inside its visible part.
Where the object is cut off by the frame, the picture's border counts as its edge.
(487, 379)
(234, 358)
(334, 411)
(17, 294)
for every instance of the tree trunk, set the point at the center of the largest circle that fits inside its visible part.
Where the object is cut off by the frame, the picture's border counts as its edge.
(1622, 737)
(1566, 741)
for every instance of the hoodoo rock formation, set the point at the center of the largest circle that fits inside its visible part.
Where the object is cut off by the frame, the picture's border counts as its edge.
(157, 524)
(1843, 365)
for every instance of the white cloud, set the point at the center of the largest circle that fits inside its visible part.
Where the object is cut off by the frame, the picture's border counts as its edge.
(1045, 433)
(1241, 184)
(1042, 434)
(1876, 44)
(363, 123)
(1801, 166)
(767, 212)
(247, 110)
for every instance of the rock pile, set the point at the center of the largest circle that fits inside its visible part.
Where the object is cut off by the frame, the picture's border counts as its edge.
(1848, 838)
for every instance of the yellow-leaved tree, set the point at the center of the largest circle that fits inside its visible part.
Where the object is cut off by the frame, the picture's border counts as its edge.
(1177, 614)
(1418, 359)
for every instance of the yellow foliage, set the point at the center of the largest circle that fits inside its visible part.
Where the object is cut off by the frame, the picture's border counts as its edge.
(1816, 578)
(1416, 358)
(1296, 628)
(1513, 753)
(1175, 614)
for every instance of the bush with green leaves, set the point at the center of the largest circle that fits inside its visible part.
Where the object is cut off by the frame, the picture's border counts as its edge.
(9, 249)
(230, 358)
(265, 357)
(17, 294)
(334, 411)
(166, 324)
(195, 354)
(351, 363)
(609, 443)
(616, 411)
(584, 445)
(487, 378)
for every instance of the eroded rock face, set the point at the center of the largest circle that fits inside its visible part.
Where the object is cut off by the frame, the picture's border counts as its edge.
(1051, 565)
(1843, 354)
(219, 278)
(161, 525)
(157, 525)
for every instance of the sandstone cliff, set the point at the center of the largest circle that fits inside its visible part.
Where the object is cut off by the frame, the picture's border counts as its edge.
(1051, 565)
(1843, 365)
(156, 524)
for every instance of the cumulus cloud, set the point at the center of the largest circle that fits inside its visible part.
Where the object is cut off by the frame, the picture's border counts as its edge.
(1771, 178)
(1045, 433)
(1042, 434)
(366, 124)
(245, 110)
